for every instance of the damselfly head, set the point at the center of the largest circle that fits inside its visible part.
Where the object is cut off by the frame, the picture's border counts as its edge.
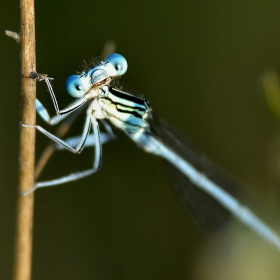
(96, 77)
(115, 65)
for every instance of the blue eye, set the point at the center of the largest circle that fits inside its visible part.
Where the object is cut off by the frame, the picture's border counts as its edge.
(75, 87)
(118, 62)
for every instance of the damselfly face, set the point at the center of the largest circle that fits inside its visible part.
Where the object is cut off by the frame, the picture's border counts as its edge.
(96, 77)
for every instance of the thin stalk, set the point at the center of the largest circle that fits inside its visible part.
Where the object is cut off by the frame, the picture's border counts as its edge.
(26, 41)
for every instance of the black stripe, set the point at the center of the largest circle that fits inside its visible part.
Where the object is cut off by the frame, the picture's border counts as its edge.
(124, 95)
(133, 110)
(134, 113)
(72, 107)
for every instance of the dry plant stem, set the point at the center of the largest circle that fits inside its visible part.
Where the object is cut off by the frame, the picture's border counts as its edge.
(26, 41)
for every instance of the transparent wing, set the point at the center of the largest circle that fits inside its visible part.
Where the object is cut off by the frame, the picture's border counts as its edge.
(206, 212)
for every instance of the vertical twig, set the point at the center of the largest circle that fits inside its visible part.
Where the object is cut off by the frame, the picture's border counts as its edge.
(26, 41)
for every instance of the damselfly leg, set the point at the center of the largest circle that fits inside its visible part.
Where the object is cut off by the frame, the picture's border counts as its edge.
(74, 176)
(76, 144)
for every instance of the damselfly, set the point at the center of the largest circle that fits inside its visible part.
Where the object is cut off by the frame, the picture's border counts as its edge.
(134, 116)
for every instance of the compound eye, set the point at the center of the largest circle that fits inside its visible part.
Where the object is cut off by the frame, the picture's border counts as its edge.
(75, 87)
(118, 62)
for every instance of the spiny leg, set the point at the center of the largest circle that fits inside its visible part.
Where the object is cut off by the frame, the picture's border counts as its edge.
(73, 141)
(77, 175)
(90, 141)
(70, 108)
(43, 113)
(56, 139)
(61, 114)
(61, 131)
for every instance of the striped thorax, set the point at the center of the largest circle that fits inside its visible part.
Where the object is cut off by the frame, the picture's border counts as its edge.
(125, 111)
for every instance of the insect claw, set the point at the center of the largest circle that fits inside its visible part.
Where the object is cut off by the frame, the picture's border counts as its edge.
(29, 191)
(39, 76)
(27, 125)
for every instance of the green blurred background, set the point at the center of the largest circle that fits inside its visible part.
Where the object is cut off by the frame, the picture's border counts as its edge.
(200, 64)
